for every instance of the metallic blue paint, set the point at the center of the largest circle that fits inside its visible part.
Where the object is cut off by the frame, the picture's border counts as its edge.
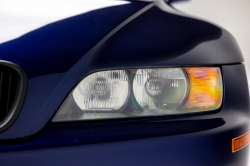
(171, 40)
(73, 134)
(159, 38)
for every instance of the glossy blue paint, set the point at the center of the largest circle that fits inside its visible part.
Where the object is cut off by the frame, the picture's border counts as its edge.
(156, 34)
(160, 38)
(78, 134)
(150, 37)
(193, 149)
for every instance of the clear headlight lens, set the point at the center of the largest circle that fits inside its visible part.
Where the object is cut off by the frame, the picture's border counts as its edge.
(159, 91)
(96, 96)
(155, 91)
(102, 91)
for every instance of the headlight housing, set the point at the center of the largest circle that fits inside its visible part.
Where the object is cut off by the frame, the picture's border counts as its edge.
(143, 92)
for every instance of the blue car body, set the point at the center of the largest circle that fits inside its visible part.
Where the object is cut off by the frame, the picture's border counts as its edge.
(57, 56)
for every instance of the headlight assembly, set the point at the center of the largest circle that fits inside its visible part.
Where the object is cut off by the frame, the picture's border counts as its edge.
(143, 92)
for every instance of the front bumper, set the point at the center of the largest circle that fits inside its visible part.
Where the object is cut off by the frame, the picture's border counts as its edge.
(203, 139)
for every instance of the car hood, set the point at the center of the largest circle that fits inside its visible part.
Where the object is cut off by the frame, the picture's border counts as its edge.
(57, 46)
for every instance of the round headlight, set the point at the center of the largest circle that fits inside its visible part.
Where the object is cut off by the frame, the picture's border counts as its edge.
(160, 89)
(102, 91)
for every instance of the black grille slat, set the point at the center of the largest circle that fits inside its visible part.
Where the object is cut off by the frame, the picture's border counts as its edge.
(7, 91)
(2, 113)
(4, 92)
(13, 87)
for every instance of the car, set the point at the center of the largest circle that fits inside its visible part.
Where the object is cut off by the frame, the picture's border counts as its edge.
(128, 83)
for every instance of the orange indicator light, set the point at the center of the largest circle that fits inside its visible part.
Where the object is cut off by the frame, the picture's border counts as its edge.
(205, 88)
(240, 142)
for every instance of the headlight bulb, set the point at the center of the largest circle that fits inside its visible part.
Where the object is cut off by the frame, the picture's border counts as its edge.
(154, 84)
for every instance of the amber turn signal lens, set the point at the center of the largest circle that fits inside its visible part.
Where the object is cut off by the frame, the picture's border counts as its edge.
(205, 88)
(240, 142)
